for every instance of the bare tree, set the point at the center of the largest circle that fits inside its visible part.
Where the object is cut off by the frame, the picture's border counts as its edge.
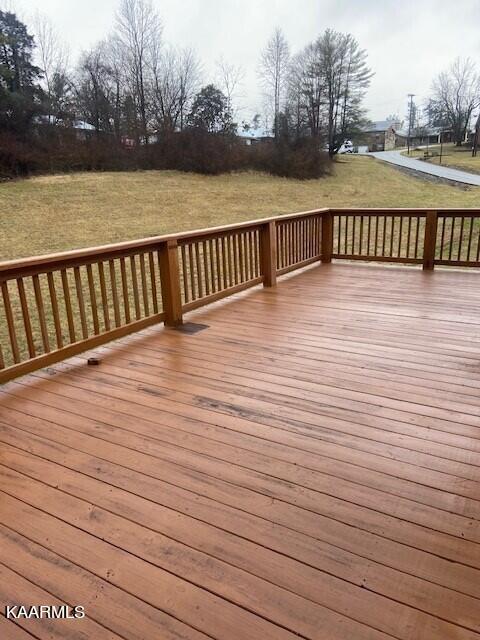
(99, 91)
(306, 91)
(456, 94)
(53, 59)
(273, 69)
(230, 78)
(91, 92)
(138, 29)
(176, 78)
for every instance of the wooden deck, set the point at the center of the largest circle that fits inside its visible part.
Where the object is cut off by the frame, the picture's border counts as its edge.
(307, 465)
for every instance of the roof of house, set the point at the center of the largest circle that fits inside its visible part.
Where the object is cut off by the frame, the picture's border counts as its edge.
(76, 124)
(81, 124)
(379, 126)
(255, 134)
(424, 131)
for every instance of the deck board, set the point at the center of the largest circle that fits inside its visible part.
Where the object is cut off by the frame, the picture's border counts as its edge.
(307, 466)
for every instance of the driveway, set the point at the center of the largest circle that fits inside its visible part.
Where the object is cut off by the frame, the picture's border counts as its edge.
(395, 157)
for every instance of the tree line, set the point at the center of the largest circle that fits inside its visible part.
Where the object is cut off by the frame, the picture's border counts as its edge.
(146, 97)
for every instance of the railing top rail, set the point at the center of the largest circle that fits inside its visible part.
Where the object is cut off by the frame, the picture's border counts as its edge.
(62, 259)
(404, 210)
(48, 262)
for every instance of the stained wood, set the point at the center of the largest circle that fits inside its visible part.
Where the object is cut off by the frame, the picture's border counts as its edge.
(307, 466)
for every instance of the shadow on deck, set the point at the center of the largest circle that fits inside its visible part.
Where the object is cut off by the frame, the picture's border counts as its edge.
(306, 465)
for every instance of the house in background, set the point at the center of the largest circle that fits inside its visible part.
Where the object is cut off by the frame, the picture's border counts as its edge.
(422, 136)
(254, 136)
(379, 135)
(83, 130)
(386, 135)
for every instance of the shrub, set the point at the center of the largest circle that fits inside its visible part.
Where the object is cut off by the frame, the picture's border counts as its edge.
(56, 149)
(301, 159)
(197, 151)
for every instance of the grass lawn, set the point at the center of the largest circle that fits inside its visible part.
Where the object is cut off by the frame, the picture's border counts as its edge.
(54, 213)
(452, 156)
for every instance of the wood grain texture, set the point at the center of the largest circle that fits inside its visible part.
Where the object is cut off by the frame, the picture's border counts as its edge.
(307, 466)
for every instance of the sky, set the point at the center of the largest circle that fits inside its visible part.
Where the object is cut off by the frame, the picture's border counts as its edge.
(408, 41)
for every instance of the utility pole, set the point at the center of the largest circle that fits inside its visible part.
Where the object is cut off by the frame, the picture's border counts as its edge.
(476, 137)
(410, 110)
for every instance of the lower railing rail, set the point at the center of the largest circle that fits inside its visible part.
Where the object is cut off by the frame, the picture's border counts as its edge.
(55, 306)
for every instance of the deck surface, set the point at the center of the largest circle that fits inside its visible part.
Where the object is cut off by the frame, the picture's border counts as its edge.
(307, 466)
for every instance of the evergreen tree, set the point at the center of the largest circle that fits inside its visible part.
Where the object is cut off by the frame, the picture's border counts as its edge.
(19, 93)
(211, 111)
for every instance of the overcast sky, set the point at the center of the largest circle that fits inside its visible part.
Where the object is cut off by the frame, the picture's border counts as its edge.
(408, 41)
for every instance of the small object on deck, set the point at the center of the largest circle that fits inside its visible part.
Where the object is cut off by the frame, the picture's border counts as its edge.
(191, 327)
(93, 362)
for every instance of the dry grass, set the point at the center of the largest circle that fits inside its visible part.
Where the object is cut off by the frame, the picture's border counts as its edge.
(452, 156)
(55, 213)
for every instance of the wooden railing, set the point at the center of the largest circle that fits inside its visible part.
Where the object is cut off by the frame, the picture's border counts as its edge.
(58, 305)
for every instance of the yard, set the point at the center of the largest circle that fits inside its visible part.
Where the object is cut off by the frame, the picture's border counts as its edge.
(55, 213)
(452, 156)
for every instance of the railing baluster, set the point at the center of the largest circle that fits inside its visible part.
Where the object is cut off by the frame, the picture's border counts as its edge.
(360, 245)
(478, 245)
(452, 235)
(392, 235)
(251, 236)
(68, 305)
(225, 262)
(186, 293)
(143, 280)
(191, 264)
(198, 265)
(10, 323)
(409, 230)
(93, 300)
(460, 238)
(470, 235)
(219, 263)
(136, 297)
(26, 317)
(153, 281)
(400, 232)
(126, 297)
(81, 302)
(113, 284)
(41, 313)
(55, 310)
(417, 237)
(211, 252)
(205, 267)
(103, 295)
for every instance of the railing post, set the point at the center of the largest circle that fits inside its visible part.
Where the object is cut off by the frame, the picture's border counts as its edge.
(327, 236)
(170, 283)
(430, 241)
(268, 254)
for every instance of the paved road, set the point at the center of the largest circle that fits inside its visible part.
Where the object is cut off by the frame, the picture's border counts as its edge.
(395, 157)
